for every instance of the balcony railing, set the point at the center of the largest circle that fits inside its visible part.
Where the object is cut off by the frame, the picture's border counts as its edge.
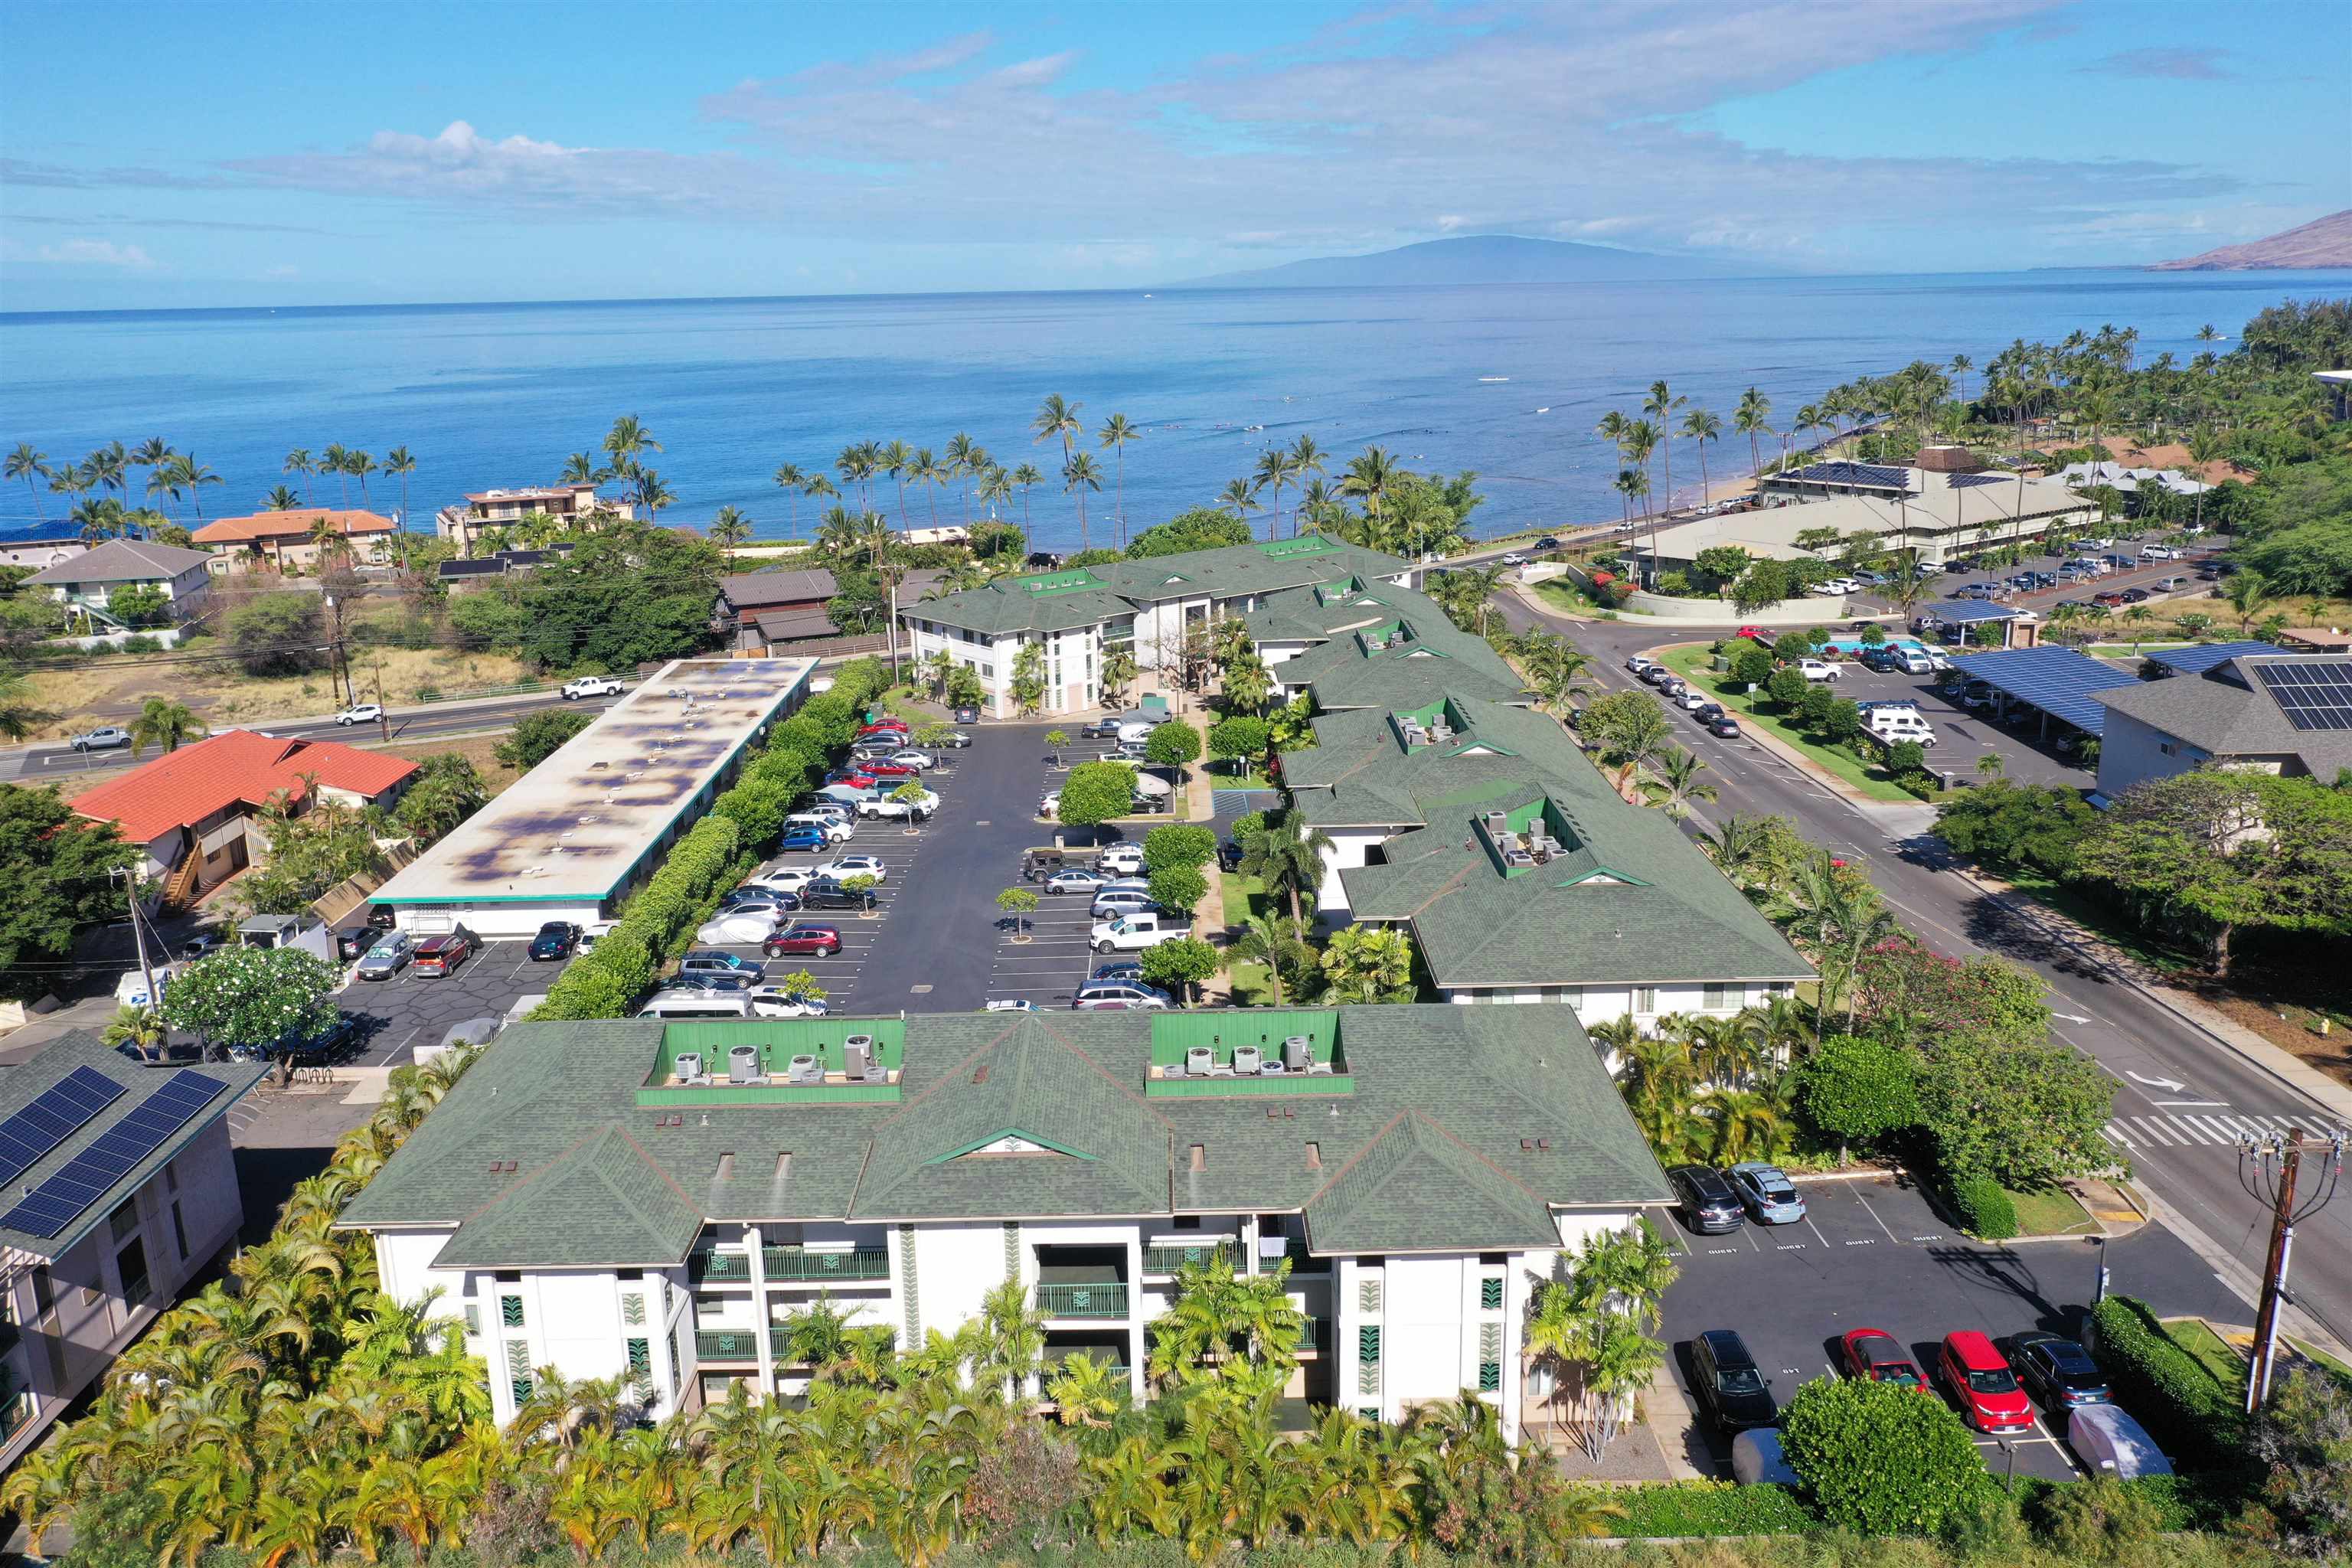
(1105, 1299)
(1117, 1369)
(787, 1264)
(1168, 1259)
(1300, 1263)
(727, 1345)
(1310, 1337)
(719, 1268)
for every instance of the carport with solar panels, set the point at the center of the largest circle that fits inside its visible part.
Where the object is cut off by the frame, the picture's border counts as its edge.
(2056, 682)
(1959, 618)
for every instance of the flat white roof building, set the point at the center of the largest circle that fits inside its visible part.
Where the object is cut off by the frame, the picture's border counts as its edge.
(588, 822)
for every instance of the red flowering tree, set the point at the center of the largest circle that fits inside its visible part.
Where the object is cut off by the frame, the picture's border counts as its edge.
(1908, 994)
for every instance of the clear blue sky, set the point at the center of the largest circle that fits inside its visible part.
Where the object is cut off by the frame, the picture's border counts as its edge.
(237, 155)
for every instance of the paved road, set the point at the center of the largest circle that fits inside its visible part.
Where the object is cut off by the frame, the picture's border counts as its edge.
(56, 759)
(2182, 1094)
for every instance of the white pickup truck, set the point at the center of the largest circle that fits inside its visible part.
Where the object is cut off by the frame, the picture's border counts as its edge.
(592, 686)
(1133, 933)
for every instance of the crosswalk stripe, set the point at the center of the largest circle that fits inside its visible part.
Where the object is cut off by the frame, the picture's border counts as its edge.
(2197, 1129)
(2163, 1130)
(2115, 1135)
(2219, 1126)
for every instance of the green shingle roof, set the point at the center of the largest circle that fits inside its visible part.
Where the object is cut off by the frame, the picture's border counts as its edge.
(1629, 901)
(600, 1182)
(1432, 657)
(1043, 601)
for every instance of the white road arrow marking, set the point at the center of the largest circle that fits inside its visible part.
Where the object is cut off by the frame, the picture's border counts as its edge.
(2172, 1085)
(2075, 1018)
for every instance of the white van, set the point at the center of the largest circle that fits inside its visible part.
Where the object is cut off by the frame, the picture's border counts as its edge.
(846, 795)
(1895, 726)
(2111, 1443)
(834, 828)
(682, 1004)
(1136, 729)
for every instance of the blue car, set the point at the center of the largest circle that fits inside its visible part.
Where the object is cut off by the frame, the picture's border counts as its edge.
(1767, 1192)
(804, 839)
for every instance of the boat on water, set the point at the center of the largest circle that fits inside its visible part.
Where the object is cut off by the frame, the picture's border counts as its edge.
(1493, 378)
(1544, 409)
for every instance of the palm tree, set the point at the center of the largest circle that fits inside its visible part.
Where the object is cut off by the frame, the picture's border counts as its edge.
(965, 460)
(646, 487)
(1632, 485)
(108, 468)
(1960, 367)
(1286, 857)
(336, 459)
(926, 470)
(1749, 420)
(1115, 434)
(730, 528)
(582, 468)
(1702, 427)
(400, 463)
(626, 441)
(1262, 939)
(816, 487)
(1677, 781)
(1305, 458)
(1640, 446)
(1025, 475)
(1080, 475)
(839, 533)
(281, 499)
(151, 455)
(1274, 472)
(298, 461)
(1240, 498)
(1660, 406)
(29, 464)
(2249, 593)
(789, 478)
(1372, 474)
(895, 459)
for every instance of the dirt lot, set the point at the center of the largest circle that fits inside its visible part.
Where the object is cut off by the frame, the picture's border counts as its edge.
(476, 749)
(2296, 1034)
(111, 690)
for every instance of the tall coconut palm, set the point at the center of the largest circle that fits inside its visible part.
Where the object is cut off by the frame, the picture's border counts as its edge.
(299, 461)
(926, 470)
(30, 464)
(729, 529)
(627, 441)
(1372, 474)
(189, 474)
(1960, 367)
(1079, 476)
(400, 463)
(1287, 857)
(1115, 434)
(816, 487)
(1702, 426)
(839, 533)
(1056, 417)
(790, 479)
(151, 455)
(965, 461)
(109, 468)
(1240, 498)
(1262, 939)
(1660, 406)
(895, 458)
(646, 488)
(1306, 458)
(582, 468)
(1025, 475)
(335, 459)
(1750, 419)
(1632, 485)
(359, 465)
(281, 499)
(1678, 782)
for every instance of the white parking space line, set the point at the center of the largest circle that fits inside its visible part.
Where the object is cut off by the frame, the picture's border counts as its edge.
(1873, 1216)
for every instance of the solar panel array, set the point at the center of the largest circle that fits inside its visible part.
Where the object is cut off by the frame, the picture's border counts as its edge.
(56, 1114)
(2313, 693)
(1844, 473)
(2058, 681)
(90, 1174)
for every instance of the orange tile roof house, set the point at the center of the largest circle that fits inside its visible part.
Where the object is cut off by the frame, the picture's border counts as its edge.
(197, 811)
(278, 540)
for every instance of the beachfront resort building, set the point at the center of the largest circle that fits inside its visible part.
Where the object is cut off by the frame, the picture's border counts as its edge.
(1481, 827)
(89, 580)
(572, 505)
(1942, 508)
(2253, 709)
(657, 1203)
(41, 549)
(195, 813)
(590, 823)
(1149, 608)
(121, 1189)
(299, 539)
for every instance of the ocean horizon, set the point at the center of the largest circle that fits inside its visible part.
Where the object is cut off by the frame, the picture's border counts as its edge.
(1505, 380)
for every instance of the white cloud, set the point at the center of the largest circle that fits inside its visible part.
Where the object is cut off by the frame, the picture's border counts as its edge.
(95, 253)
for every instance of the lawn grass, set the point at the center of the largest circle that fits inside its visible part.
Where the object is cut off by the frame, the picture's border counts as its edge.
(1562, 594)
(2054, 1212)
(2227, 1364)
(1691, 664)
(2097, 920)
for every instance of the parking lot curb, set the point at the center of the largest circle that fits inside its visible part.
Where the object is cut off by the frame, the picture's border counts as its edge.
(1766, 740)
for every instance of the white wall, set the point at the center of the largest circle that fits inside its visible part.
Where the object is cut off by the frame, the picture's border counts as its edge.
(2132, 752)
(1600, 1005)
(1349, 852)
(493, 921)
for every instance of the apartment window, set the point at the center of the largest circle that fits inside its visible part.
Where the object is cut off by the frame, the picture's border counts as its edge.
(510, 1311)
(641, 1359)
(472, 1320)
(131, 1267)
(1715, 996)
(2165, 746)
(1645, 998)
(123, 1221)
(518, 1383)
(179, 1231)
(1490, 1295)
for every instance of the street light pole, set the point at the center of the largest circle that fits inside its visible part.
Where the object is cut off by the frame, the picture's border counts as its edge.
(138, 930)
(2271, 1167)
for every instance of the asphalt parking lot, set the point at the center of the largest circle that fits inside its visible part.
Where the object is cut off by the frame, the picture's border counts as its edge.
(1965, 735)
(1875, 1254)
(411, 1010)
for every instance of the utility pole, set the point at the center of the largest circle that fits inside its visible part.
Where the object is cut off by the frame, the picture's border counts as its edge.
(2270, 1167)
(382, 718)
(138, 930)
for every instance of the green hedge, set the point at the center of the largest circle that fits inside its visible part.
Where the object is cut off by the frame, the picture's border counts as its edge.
(2194, 1419)
(1982, 1208)
(1709, 1508)
(2190, 1501)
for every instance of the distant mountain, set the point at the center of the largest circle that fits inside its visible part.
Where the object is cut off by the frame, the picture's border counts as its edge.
(1475, 258)
(2323, 242)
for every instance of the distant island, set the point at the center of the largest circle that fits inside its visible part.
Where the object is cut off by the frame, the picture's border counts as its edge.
(1476, 258)
(2323, 242)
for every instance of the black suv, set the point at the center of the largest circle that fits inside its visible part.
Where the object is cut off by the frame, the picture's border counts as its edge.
(1708, 1206)
(825, 893)
(1730, 1386)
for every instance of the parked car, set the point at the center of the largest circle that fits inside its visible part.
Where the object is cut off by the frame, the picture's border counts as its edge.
(1990, 1397)
(1768, 1193)
(2058, 1371)
(741, 926)
(777, 1001)
(208, 940)
(771, 904)
(440, 955)
(1707, 712)
(1118, 969)
(1638, 664)
(1121, 860)
(1229, 855)
(1731, 1387)
(1725, 726)
(354, 939)
(732, 984)
(1817, 669)
(850, 866)
(888, 770)
(361, 713)
(816, 940)
(1140, 995)
(556, 939)
(2159, 552)
(1708, 1204)
(1112, 1005)
(836, 828)
(810, 839)
(1877, 1355)
(103, 739)
(1691, 702)
(916, 810)
(388, 957)
(825, 893)
(711, 963)
(956, 740)
(1108, 901)
(1546, 542)
(2134, 596)
(1077, 880)
(1134, 932)
(592, 686)
(1513, 558)
(1008, 1005)
(2110, 1443)
(1104, 729)
(2111, 598)
(919, 760)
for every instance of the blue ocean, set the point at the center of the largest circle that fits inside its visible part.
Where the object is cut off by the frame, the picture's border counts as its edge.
(1507, 381)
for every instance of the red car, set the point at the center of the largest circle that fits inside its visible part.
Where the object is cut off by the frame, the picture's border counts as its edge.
(441, 954)
(822, 940)
(880, 769)
(1755, 634)
(856, 778)
(883, 726)
(1874, 1354)
(1989, 1391)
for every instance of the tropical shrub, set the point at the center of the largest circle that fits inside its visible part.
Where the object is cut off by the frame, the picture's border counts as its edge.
(1878, 1459)
(2192, 1416)
(1983, 1209)
(1179, 844)
(1709, 1508)
(1858, 1090)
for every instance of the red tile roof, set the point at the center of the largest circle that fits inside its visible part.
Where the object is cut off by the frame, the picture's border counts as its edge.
(182, 788)
(295, 520)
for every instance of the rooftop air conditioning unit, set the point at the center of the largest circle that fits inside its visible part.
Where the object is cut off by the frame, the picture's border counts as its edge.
(804, 1069)
(1246, 1060)
(1198, 1061)
(1321, 1068)
(687, 1069)
(743, 1065)
(1273, 1067)
(1221, 1072)
(1297, 1050)
(858, 1054)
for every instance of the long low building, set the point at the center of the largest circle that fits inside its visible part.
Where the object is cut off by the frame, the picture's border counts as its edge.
(656, 1202)
(1482, 828)
(590, 823)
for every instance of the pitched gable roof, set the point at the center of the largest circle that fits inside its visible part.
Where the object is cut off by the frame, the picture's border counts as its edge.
(295, 521)
(1416, 1184)
(604, 1199)
(181, 788)
(124, 561)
